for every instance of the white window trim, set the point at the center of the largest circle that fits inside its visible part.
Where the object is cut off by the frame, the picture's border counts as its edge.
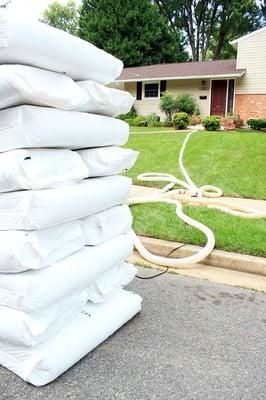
(143, 90)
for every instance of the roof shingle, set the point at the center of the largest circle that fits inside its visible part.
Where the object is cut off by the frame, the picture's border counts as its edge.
(181, 70)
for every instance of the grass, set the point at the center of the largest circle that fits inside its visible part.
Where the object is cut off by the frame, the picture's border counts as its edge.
(141, 129)
(234, 161)
(231, 233)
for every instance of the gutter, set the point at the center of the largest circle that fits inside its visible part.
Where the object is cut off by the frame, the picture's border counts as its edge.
(235, 75)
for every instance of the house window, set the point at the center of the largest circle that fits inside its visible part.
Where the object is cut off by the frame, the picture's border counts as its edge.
(151, 90)
(230, 98)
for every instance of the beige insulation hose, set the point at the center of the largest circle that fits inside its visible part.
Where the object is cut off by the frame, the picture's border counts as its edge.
(201, 196)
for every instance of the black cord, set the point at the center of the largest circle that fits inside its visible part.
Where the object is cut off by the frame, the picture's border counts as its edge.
(153, 276)
(167, 268)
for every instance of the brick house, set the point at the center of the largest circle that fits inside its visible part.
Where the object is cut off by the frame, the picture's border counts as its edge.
(219, 87)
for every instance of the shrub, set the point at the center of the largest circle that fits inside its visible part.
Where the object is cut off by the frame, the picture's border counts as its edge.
(197, 112)
(257, 123)
(166, 123)
(168, 105)
(186, 103)
(181, 120)
(212, 123)
(140, 120)
(153, 120)
(129, 121)
(130, 115)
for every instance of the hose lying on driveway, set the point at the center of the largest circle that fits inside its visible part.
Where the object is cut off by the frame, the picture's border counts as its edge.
(201, 196)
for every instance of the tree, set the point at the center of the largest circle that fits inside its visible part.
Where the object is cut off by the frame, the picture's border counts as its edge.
(236, 18)
(64, 17)
(210, 24)
(132, 30)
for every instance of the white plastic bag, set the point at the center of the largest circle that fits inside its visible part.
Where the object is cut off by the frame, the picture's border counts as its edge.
(21, 84)
(39, 169)
(104, 100)
(109, 283)
(33, 290)
(25, 328)
(106, 161)
(30, 328)
(23, 250)
(48, 168)
(43, 363)
(106, 224)
(31, 126)
(36, 209)
(40, 45)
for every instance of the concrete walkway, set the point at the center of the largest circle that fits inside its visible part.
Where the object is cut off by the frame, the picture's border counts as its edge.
(142, 191)
(193, 340)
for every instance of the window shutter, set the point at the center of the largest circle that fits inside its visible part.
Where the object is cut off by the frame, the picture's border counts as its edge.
(162, 87)
(139, 90)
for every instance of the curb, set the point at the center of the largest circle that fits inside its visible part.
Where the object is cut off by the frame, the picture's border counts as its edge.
(218, 258)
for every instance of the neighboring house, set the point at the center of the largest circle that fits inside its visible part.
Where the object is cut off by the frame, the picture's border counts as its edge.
(219, 87)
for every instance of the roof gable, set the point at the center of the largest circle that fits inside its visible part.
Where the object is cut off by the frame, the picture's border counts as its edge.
(235, 42)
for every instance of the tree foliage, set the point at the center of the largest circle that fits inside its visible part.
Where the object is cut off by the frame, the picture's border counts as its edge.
(210, 24)
(62, 16)
(132, 30)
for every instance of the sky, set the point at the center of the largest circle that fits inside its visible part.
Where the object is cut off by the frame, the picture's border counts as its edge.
(30, 9)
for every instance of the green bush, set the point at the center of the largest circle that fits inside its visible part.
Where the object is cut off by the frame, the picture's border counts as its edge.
(140, 120)
(212, 123)
(168, 105)
(186, 103)
(153, 120)
(181, 120)
(257, 123)
(130, 115)
(166, 123)
(129, 121)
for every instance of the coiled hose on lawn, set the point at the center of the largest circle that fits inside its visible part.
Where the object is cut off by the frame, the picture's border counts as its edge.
(201, 196)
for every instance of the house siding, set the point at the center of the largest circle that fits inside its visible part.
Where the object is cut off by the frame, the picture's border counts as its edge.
(251, 55)
(192, 87)
(144, 106)
(175, 87)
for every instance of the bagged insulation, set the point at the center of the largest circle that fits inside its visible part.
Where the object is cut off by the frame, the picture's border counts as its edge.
(34, 290)
(39, 169)
(30, 328)
(107, 224)
(43, 363)
(39, 45)
(105, 100)
(21, 84)
(36, 209)
(48, 168)
(31, 127)
(106, 161)
(23, 250)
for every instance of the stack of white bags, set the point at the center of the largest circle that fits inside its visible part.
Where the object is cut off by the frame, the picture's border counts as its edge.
(64, 230)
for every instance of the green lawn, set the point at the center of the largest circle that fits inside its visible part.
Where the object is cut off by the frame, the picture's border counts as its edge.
(233, 161)
(141, 129)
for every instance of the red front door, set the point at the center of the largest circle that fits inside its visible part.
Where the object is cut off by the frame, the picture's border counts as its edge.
(218, 97)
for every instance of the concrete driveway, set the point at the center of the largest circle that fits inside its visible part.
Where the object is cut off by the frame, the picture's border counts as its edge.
(193, 340)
